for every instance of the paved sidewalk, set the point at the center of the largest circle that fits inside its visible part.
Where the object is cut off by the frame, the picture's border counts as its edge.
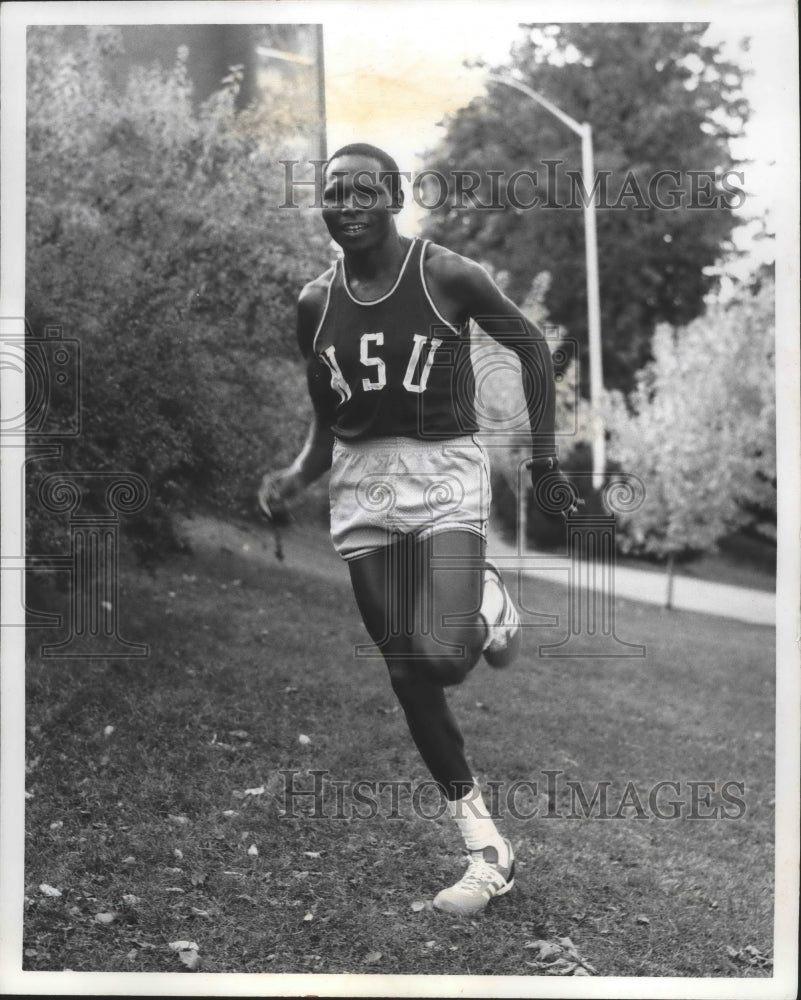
(757, 607)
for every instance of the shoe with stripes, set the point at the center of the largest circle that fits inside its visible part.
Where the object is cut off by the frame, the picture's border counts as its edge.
(490, 872)
(500, 616)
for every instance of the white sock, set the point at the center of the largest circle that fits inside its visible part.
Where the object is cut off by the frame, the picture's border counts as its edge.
(491, 607)
(474, 821)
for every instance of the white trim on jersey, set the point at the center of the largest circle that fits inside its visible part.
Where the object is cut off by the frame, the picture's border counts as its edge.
(325, 311)
(450, 326)
(375, 302)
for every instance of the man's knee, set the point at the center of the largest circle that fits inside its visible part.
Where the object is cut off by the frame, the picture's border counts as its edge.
(444, 663)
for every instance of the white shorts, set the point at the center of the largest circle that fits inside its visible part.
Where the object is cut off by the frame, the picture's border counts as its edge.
(383, 487)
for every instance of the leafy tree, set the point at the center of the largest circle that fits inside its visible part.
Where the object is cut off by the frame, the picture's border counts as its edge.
(658, 98)
(154, 239)
(699, 430)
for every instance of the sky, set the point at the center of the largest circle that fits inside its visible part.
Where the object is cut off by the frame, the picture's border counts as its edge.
(392, 78)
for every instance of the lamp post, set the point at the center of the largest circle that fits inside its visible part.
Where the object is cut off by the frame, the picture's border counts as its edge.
(584, 130)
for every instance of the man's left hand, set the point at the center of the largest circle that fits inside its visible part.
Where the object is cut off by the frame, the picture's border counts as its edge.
(554, 493)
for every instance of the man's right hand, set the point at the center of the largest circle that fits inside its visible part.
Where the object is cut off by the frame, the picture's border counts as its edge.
(275, 492)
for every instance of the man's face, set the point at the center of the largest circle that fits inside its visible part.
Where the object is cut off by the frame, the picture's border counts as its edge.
(357, 202)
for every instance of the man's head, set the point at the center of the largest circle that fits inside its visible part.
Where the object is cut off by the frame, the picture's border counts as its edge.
(382, 168)
(361, 195)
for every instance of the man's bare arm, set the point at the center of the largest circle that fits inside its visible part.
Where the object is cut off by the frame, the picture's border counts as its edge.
(314, 458)
(466, 283)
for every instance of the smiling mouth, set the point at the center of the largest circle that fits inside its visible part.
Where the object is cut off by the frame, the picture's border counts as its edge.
(352, 228)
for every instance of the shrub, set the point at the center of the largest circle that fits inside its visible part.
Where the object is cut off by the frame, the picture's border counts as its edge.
(155, 240)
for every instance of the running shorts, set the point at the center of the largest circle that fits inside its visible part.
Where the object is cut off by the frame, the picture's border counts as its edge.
(384, 487)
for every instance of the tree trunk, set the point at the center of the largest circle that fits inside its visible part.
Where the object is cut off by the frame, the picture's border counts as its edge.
(669, 569)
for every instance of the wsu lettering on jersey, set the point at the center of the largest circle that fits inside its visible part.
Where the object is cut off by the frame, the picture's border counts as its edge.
(396, 367)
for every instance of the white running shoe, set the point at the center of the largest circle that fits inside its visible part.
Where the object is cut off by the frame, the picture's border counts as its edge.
(503, 623)
(487, 876)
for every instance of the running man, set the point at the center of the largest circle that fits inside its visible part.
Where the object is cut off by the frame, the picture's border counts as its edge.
(385, 334)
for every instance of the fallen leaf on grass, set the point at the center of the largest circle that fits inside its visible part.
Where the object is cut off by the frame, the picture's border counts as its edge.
(230, 812)
(418, 905)
(130, 900)
(57, 824)
(372, 957)
(561, 967)
(108, 730)
(312, 854)
(179, 854)
(49, 890)
(130, 860)
(199, 913)
(253, 851)
(184, 946)
(641, 919)
(304, 740)
(105, 918)
(559, 958)
(190, 959)
(309, 916)
(544, 949)
(178, 820)
(255, 791)
(750, 955)
(198, 878)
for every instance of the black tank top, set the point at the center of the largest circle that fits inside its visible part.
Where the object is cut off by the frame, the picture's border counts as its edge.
(396, 367)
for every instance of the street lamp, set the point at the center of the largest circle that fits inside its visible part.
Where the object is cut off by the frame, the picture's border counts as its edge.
(583, 130)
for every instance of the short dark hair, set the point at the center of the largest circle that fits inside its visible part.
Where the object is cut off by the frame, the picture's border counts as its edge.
(390, 171)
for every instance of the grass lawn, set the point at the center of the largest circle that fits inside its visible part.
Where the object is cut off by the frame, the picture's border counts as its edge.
(149, 832)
